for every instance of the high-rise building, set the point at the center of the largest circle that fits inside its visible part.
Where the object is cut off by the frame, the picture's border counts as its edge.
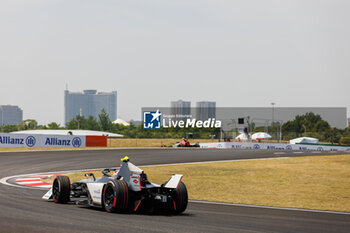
(10, 115)
(205, 110)
(180, 109)
(89, 103)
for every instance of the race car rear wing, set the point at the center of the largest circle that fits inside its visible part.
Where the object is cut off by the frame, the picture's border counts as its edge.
(130, 172)
(174, 181)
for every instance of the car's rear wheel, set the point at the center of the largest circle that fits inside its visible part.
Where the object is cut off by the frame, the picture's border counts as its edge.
(61, 189)
(180, 199)
(115, 196)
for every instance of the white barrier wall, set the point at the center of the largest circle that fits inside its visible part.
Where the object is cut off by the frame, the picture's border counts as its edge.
(35, 140)
(272, 146)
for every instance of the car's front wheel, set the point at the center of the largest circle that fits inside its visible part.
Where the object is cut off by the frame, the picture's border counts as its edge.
(61, 189)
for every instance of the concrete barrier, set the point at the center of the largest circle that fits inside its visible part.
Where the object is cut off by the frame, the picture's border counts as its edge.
(96, 141)
(272, 146)
(39, 140)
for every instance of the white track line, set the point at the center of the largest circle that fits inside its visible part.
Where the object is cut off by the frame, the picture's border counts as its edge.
(28, 182)
(46, 186)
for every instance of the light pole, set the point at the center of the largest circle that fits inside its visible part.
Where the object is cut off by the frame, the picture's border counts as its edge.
(80, 114)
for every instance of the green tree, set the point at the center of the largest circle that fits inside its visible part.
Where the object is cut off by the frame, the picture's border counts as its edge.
(92, 124)
(313, 124)
(53, 125)
(8, 128)
(104, 121)
(73, 124)
(28, 124)
(79, 122)
(345, 140)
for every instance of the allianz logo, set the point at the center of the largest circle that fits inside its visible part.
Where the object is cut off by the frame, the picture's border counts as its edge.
(76, 142)
(275, 148)
(10, 140)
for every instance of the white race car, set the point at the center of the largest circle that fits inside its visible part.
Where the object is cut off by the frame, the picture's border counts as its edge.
(127, 190)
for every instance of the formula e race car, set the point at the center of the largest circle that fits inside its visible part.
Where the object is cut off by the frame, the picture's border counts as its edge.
(187, 144)
(127, 190)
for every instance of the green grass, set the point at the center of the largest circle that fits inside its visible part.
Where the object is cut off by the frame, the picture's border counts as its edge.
(321, 182)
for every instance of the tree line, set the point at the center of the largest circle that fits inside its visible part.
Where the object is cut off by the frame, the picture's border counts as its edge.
(309, 124)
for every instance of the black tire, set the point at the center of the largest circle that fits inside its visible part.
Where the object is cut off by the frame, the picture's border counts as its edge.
(180, 199)
(115, 196)
(61, 189)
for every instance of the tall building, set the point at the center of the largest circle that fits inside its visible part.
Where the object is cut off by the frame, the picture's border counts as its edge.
(205, 110)
(10, 115)
(89, 103)
(180, 109)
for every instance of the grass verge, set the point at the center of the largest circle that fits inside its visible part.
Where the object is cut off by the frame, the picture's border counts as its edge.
(321, 182)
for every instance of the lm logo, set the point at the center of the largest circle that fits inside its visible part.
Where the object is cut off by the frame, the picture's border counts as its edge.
(152, 120)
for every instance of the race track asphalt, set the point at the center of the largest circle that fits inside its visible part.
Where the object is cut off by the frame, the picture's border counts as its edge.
(23, 210)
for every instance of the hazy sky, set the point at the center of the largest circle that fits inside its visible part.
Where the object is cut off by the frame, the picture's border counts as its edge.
(237, 53)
